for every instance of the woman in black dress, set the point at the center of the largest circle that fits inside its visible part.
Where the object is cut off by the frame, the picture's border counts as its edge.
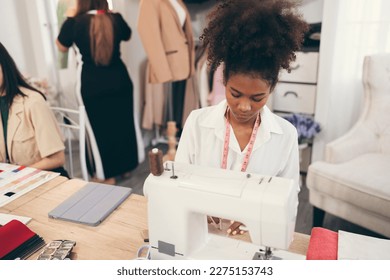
(106, 87)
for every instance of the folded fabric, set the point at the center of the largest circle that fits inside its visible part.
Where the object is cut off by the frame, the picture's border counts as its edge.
(18, 241)
(323, 244)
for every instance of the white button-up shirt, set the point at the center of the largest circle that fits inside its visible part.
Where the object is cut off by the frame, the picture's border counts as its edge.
(275, 151)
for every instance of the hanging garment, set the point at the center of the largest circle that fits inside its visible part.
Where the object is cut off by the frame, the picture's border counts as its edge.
(169, 46)
(153, 109)
(197, 86)
(218, 92)
(178, 93)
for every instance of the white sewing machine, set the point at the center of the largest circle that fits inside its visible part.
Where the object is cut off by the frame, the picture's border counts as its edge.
(179, 201)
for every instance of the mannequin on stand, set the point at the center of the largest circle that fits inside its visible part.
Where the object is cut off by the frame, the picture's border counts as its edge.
(166, 34)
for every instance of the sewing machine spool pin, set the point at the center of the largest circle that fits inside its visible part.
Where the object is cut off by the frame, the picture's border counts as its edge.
(173, 172)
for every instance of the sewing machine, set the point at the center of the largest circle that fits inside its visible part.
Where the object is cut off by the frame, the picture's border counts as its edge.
(180, 200)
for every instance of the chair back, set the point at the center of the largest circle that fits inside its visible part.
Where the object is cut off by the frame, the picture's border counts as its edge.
(376, 114)
(72, 125)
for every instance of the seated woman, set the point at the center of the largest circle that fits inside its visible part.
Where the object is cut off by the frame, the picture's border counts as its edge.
(29, 134)
(253, 40)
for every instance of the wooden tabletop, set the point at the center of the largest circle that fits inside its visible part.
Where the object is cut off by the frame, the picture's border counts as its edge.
(118, 237)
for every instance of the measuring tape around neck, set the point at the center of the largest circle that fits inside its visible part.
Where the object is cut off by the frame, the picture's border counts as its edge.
(227, 140)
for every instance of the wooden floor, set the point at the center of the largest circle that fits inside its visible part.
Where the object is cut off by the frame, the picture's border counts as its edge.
(304, 219)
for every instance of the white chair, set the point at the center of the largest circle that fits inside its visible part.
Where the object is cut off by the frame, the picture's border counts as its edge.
(72, 124)
(353, 182)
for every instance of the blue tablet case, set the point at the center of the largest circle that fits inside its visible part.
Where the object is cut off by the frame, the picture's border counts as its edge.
(91, 204)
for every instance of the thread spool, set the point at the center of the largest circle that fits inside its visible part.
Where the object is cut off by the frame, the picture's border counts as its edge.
(156, 162)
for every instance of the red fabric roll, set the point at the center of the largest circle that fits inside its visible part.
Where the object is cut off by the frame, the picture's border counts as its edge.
(323, 244)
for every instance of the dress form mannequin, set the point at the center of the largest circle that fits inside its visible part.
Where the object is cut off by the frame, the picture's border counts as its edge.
(166, 33)
(164, 26)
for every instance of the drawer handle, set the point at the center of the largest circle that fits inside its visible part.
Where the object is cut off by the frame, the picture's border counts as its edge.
(295, 67)
(290, 92)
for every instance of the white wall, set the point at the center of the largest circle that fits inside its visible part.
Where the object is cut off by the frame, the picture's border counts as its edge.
(10, 37)
(134, 57)
(132, 51)
(13, 35)
(22, 31)
(323, 100)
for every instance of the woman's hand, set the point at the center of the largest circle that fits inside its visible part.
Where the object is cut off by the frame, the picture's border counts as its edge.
(235, 228)
(215, 221)
(50, 162)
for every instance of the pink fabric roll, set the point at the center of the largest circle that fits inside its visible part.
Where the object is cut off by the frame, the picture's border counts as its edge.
(323, 244)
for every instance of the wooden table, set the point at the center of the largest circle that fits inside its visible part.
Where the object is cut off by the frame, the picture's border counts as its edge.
(118, 237)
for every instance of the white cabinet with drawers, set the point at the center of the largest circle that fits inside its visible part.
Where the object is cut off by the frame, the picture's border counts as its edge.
(296, 92)
(303, 69)
(296, 98)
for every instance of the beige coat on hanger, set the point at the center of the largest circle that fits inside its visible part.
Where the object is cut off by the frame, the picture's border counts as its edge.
(169, 46)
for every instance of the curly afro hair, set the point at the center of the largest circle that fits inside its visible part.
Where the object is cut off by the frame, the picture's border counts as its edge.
(256, 37)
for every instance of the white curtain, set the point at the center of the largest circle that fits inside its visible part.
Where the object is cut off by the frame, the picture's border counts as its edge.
(351, 29)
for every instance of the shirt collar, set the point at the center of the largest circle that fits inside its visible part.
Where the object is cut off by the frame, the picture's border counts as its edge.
(269, 124)
(216, 119)
(268, 119)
